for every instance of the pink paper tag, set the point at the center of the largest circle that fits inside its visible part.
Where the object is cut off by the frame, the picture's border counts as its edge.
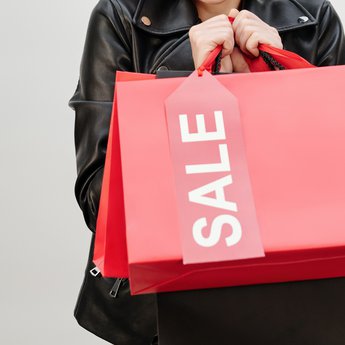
(215, 204)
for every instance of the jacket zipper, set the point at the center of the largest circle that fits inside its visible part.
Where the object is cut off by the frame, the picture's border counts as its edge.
(95, 271)
(116, 287)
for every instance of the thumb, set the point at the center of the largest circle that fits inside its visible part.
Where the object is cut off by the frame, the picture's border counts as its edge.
(233, 13)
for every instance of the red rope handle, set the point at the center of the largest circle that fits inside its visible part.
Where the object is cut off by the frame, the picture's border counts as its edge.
(209, 61)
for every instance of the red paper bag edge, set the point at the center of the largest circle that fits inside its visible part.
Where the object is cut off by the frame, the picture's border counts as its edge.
(116, 265)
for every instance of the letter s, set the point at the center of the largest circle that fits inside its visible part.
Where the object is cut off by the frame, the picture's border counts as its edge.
(216, 231)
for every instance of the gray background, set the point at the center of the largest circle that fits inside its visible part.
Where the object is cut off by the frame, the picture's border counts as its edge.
(44, 241)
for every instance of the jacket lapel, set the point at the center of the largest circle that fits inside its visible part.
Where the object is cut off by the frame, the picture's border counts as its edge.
(166, 17)
(284, 15)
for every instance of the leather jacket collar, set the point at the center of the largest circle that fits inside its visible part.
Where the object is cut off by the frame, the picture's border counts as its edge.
(164, 20)
(163, 15)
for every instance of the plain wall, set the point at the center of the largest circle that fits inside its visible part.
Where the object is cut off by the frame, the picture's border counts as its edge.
(44, 241)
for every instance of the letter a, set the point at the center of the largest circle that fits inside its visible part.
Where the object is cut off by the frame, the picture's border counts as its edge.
(198, 195)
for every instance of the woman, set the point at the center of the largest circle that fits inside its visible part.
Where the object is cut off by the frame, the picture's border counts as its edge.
(151, 35)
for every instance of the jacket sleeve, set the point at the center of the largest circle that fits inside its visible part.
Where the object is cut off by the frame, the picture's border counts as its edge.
(331, 42)
(106, 50)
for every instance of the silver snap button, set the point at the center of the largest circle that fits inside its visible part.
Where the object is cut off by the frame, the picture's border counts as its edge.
(162, 68)
(303, 19)
(146, 20)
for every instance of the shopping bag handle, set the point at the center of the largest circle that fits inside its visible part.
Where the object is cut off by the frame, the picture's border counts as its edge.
(266, 51)
(209, 61)
(215, 57)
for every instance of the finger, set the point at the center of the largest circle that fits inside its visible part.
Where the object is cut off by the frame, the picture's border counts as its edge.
(262, 38)
(244, 31)
(224, 37)
(253, 42)
(244, 14)
(199, 29)
(210, 40)
(228, 44)
(258, 32)
(245, 22)
(213, 37)
(205, 38)
(238, 61)
(226, 65)
(215, 25)
(199, 35)
(234, 13)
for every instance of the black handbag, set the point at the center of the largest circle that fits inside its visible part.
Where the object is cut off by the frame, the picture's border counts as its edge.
(106, 309)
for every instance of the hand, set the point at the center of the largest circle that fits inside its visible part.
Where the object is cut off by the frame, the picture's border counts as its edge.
(205, 37)
(250, 31)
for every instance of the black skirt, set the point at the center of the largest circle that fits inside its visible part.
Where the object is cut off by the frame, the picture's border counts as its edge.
(298, 313)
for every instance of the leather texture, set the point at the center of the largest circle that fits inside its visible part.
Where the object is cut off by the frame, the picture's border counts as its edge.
(119, 38)
(299, 313)
(112, 313)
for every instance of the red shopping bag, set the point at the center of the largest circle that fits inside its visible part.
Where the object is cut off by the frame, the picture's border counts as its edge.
(110, 252)
(294, 152)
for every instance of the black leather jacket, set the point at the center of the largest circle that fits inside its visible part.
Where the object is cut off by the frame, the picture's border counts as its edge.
(117, 39)
(148, 35)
